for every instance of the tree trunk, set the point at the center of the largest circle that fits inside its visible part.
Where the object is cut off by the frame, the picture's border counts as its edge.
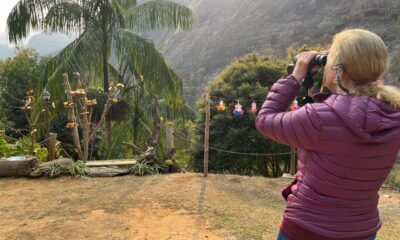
(72, 118)
(135, 128)
(21, 168)
(106, 77)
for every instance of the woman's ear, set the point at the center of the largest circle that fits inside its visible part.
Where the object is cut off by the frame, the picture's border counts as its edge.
(346, 78)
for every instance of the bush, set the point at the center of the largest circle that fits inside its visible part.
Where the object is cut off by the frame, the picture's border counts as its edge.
(78, 169)
(247, 78)
(17, 76)
(51, 171)
(22, 147)
(145, 168)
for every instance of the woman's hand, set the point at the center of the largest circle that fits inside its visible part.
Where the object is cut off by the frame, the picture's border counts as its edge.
(303, 60)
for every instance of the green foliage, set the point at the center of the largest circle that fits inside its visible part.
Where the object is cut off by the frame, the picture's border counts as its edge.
(4, 148)
(22, 147)
(105, 29)
(145, 168)
(51, 170)
(182, 158)
(98, 24)
(247, 78)
(78, 169)
(42, 153)
(17, 76)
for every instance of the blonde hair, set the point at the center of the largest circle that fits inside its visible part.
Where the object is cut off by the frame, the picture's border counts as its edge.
(365, 58)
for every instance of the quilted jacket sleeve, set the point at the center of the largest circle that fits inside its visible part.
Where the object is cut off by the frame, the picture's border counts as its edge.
(300, 128)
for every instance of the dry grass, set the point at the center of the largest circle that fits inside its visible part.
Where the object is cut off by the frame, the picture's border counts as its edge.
(178, 206)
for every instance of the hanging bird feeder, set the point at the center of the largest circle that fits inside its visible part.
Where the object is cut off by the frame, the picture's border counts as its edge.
(238, 111)
(221, 106)
(253, 107)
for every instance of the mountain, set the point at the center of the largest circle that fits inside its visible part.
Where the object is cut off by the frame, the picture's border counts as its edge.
(48, 44)
(226, 29)
(45, 44)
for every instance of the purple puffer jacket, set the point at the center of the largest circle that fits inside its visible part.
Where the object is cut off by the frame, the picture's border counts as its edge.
(347, 147)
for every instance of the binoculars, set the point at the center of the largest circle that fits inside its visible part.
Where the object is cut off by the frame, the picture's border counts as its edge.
(318, 61)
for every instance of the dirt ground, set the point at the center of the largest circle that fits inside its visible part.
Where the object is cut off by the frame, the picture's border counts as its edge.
(178, 206)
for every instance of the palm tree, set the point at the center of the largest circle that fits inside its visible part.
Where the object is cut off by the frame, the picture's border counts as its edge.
(106, 29)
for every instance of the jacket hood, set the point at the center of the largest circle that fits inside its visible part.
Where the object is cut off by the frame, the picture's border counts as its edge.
(369, 118)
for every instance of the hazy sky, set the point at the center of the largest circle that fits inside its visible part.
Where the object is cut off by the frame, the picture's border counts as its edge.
(5, 8)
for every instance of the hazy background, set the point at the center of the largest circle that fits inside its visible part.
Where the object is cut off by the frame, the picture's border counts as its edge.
(226, 29)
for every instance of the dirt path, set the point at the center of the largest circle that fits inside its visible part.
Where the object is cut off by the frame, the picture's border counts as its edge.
(179, 206)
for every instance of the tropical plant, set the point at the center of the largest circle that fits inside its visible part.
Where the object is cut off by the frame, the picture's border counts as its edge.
(51, 170)
(78, 169)
(146, 168)
(247, 79)
(108, 33)
(22, 146)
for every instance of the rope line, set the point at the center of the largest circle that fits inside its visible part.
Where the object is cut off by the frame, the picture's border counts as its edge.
(233, 152)
(237, 99)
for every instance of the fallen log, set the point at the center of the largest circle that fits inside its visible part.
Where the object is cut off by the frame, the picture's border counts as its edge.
(107, 171)
(17, 166)
(64, 163)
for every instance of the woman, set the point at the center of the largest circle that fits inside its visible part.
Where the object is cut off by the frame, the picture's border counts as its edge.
(348, 142)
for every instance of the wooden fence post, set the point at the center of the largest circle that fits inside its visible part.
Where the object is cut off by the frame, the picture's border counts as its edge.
(206, 132)
(52, 146)
(169, 128)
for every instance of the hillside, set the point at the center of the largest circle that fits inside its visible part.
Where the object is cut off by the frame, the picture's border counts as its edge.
(48, 44)
(45, 44)
(226, 29)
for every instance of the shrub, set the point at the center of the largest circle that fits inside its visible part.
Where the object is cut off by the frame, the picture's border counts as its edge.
(145, 168)
(78, 169)
(51, 170)
(247, 78)
(22, 147)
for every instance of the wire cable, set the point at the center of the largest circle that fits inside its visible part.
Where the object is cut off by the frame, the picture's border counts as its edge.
(233, 152)
(237, 99)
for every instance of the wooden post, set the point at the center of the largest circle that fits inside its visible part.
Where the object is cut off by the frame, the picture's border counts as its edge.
(52, 146)
(169, 127)
(206, 132)
(155, 139)
(292, 161)
(47, 117)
